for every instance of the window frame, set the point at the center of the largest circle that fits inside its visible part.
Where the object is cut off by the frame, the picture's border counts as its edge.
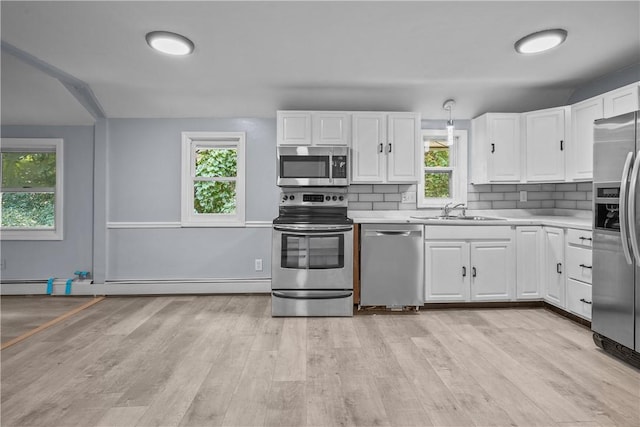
(458, 167)
(191, 141)
(34, 145)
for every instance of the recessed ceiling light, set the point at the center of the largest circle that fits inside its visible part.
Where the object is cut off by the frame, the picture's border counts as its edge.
(169, 43)
(541, 41)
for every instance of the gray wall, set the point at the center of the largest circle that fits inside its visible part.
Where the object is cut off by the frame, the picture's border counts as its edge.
(143, 185)
(35, 260)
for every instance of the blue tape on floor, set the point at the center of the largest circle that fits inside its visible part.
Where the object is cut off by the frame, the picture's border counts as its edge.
(67, 288)
(50, 286)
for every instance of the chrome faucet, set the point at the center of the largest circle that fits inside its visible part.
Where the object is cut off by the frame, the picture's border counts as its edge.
(446, 210)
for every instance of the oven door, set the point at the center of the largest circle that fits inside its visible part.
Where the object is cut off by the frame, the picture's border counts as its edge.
(312, 257)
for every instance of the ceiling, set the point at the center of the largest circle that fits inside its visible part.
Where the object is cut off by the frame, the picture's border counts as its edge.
(253, 58)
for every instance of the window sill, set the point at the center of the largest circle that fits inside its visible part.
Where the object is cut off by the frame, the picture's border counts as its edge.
(30, 235)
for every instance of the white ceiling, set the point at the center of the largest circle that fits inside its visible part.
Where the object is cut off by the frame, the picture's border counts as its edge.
(253, 58)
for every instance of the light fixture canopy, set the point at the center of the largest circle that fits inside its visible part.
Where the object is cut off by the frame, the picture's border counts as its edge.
(448, 105)
(541, 41)
(170, 43)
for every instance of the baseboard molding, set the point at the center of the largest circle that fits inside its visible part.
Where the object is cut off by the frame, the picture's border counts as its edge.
(145, 287)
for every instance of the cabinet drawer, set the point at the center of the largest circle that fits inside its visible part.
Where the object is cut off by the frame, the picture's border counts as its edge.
(580, 237)
(466, 232)
(579, 298)
(579, 264)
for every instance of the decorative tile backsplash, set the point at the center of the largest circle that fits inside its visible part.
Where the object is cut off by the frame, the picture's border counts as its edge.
(480, 197)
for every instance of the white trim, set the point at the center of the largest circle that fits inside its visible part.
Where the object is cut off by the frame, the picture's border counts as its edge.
(150, 225)
(458, 169)
(190, 141)
(145, 287)
(31, 144)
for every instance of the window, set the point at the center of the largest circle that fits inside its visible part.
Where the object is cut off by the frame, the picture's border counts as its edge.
(31, 189)
(213, 179)
(444, 169)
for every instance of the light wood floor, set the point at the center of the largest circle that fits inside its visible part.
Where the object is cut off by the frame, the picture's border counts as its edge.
(223, 360)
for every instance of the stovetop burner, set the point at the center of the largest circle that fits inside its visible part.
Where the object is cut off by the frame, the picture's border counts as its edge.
(313, 206)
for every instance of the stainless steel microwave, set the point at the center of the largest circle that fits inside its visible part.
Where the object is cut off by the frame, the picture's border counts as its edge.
(313, 166)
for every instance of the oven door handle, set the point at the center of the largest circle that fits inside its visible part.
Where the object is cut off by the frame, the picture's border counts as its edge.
(314, 230)
(323, 295)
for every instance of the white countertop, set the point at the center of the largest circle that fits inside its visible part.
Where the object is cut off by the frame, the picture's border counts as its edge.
(513, 217)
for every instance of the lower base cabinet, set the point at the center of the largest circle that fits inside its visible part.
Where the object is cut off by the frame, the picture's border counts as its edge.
(553, 266)
(469, 264)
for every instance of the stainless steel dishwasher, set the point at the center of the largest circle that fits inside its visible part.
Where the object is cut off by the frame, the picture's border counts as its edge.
(391, 263)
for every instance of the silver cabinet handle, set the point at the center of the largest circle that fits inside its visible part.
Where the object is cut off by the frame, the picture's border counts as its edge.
(633, 194)
(623, 208)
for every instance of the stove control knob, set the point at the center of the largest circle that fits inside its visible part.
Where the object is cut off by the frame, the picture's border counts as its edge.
(286, 197)
(327, 198)
(334, 198)
(291, 197)
(341, 198)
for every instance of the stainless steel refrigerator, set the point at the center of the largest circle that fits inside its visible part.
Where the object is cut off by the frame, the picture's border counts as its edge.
(616, 242)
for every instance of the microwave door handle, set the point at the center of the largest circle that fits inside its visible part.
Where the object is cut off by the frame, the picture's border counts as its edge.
(624, 180)
(633, 200)
(330, 168)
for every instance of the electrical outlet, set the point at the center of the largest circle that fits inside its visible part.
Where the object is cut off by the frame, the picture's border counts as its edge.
(523, 196)
(408, 197)
(258, 264)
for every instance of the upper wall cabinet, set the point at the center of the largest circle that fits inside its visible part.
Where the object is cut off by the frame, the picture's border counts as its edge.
(545, 143)
(385, 147)
(313, 128)
(621, 101)
(580, 147)
(495, 153)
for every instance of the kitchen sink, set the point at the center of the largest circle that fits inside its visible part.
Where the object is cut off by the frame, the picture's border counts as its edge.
(463, 218)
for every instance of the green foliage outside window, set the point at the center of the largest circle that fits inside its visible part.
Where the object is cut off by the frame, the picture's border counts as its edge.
(437, 184)
(26, 209)
(216, 197)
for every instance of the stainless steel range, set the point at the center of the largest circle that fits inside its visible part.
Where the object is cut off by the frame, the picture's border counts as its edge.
(312, 254)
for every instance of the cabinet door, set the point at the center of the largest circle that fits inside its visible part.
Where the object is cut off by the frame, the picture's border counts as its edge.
(503, 131)
(293, 128)
(621, 101)
(528, 262)
(545, 145)
(402, 147)
(580, 148)
(447, 271)
(330, 128)
(492, 271)
(367, 141)
(554, 265)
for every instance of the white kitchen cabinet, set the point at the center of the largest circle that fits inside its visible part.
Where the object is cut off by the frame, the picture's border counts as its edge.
(492, 271)
(385, 147)
(293, 128)
(579, 270)
(622, 100)
(447, 275)
(529, 262)
(553, 266)
(469, 263)
(313, 128)
(495, 150)
(330, 128)
(580, 147)
(545, 143)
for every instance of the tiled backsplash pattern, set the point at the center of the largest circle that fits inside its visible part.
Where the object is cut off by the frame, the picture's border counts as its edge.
(480, 197)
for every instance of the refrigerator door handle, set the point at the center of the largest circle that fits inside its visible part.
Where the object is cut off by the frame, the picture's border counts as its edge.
(633, 199)
(624, 208)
